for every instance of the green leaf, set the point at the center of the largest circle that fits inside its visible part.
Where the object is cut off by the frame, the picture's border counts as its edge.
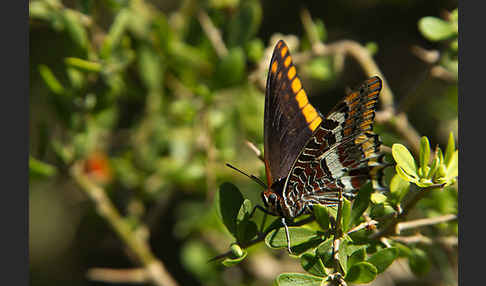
(378, 198)
(372, 47)
(342, 255)
(312, 264)
(255, 49)
(424, 152)
(229, 201)
(301, 239)
(244, 24)
(403, 250)
(245, 228)
(418, 262)
(435, 29)
(398, 188)
(150, 67)
(39, 10)
(321, 214)
(324, 251)
(228, 262)
(319, 68)
(360, 204)
(361, 272)
(292, 279)
(50, 79)
(404, 160)
(357, 256)
(83, 65)
(381, 210)
(231, 69)
(75, 29)
(346, 214)
(383, 258)
(39, 169)
(117, 29)
(453, 166)
(451, 147)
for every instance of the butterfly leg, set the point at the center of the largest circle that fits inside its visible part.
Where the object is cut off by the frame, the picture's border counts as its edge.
(266, 212)
(287, 234)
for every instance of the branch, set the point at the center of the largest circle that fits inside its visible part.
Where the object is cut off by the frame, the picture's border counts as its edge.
(107, 275)
(425, 222)
(212, 33)
(255, 149)
(138, 246)
(392, 228)
(419, 238)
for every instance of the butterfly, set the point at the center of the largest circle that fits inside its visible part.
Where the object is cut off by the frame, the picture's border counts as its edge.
(310, 158)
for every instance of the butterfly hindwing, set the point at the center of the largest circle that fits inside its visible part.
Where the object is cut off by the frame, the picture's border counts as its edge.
(289, 119)
(341, 153)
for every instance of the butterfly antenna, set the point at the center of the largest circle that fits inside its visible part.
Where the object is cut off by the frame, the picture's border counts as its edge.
(254, 178)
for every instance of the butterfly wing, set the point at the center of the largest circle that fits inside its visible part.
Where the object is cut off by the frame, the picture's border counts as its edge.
(289, 119)
(342, 153)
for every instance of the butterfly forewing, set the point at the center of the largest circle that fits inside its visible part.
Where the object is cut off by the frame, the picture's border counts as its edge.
(289, 119)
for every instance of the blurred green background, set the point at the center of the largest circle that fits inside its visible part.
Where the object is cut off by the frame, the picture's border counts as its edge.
(136, 93)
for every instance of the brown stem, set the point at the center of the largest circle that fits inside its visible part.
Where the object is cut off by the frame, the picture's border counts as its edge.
(138, 246)
(212, 33)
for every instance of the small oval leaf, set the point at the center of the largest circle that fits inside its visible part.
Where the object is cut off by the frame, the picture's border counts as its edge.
(361, 272)
(398, 188)
(418, 262)
(228, 262)
(404, 159)
(292, 279)
(228, 202)
(321, 214)
(424, 152)
(298, 235)
(357, 256)
(361, 203)
(451, 147)
(435, 29)
(383, 258)
(312, 264)
(346, 214)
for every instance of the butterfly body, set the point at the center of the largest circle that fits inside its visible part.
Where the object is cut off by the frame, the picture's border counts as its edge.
(309, 158)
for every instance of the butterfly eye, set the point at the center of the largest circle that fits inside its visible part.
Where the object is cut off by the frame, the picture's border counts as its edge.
(272, 197)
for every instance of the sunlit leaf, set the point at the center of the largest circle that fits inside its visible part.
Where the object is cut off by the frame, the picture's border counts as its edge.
(292, 279)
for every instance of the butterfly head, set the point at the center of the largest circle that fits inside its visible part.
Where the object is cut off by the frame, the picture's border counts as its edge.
(271, 201)
(273, 197)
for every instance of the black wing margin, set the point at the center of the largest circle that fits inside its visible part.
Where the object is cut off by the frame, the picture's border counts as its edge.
(289, 119)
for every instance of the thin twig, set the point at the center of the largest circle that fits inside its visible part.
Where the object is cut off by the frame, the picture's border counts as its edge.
(419, 238)
(212, 33)
(137, 245)
(425, 222)
(366, 224)
(309, 27)
(107, 275)
(391, 227)
(255, 149)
